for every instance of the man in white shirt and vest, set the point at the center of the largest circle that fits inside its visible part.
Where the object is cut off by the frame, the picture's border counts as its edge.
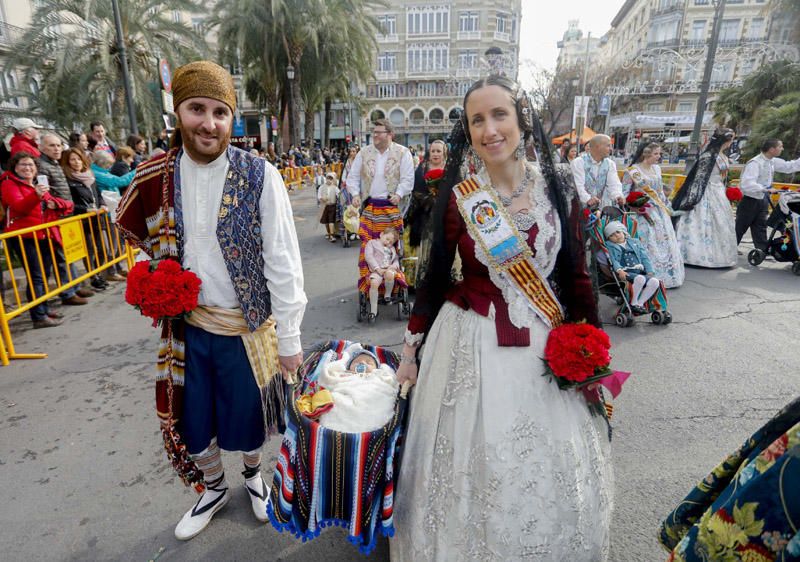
(596, 176)
(225, 215)
(756, 186)
(381, 175)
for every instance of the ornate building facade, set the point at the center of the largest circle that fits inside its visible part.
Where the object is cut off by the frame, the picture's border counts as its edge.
(428, 57)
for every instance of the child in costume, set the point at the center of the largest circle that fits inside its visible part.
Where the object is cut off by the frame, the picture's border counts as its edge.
(327, 195)
(351, 219)
(384, 265)
(630, 262)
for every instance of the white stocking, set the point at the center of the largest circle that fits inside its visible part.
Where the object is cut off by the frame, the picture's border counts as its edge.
(638, 284)
(648, 291)
(388, 286)
(373, 293)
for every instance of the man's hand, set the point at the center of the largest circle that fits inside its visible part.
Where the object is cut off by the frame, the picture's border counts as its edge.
(592, 201)
(289, 366)
(394, 198)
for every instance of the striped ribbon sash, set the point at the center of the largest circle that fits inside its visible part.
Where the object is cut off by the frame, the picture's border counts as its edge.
(496, 236)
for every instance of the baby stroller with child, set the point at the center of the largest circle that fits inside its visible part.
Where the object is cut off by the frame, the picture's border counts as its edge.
(607, 281)
(399, 296)
(325, 477)
(347, 218)
(783, 242)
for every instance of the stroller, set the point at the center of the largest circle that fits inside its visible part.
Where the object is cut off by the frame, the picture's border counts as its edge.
(324, 477)
(348, 230)
(783, 243)
(400, 294)
(609, 284)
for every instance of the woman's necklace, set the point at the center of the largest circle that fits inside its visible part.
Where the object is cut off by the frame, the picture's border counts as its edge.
(508, 200)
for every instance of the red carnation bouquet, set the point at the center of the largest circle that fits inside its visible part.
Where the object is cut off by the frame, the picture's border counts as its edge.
(577, 355)
(162, 290)
(733, 194)
(432, 179)
(639, 202)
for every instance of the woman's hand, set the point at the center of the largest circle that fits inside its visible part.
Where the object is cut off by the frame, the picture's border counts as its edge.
(407, 372)
(51, 204)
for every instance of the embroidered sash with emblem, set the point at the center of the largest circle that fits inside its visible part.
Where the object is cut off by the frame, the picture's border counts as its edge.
(506, 252)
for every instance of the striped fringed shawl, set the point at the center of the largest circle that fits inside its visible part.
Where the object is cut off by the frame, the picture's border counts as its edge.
(325, 478)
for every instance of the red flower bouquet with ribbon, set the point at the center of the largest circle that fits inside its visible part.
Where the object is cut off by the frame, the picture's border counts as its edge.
(432, 179)
(733, 194)
(162, 290)
(639, 202)
(577, 355)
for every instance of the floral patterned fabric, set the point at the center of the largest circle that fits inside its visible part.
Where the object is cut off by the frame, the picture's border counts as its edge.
(707, 233)
(748, 507)
(657, 234)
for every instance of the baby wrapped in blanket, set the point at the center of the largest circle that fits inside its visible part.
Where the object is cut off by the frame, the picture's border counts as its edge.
(364, 392)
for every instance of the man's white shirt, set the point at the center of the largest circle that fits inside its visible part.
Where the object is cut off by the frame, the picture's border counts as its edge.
(378, 189)
(613, 185)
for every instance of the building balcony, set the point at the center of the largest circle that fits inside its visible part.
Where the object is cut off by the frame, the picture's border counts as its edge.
(427, 36)
(501, 36)
(672, 8)
(387, 75)
(729, 43)
(428, 73)
(468, 35)
(393, 38)
(468, 73)
(695, 43)
(9, 34)
(664, 44)
(761, 39)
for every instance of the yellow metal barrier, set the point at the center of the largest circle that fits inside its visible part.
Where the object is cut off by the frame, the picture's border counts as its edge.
(675, 181)
(103, 249)
(294, 176)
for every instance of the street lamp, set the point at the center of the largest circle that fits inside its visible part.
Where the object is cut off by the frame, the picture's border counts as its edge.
(292, 132)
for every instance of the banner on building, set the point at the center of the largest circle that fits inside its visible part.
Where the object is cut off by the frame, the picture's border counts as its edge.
(579, 110)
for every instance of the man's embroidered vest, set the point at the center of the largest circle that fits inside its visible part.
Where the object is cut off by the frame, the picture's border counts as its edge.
(595, 185)
(239, 233)
(391, 173)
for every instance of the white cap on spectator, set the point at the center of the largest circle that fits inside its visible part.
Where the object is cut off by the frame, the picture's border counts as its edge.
(23, 123)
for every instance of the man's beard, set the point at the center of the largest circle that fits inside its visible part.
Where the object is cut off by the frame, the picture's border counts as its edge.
(201, 154)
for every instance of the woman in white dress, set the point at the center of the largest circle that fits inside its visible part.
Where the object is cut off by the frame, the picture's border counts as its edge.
(498, 463)
(655, 229)
(706, 228)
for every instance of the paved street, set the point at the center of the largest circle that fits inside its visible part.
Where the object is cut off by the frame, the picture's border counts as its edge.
(84, 477)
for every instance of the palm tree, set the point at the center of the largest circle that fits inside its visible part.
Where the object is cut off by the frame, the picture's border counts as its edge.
(330, 43)
(71, 48)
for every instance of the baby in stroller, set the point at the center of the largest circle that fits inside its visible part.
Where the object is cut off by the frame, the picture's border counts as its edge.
(630, 262)
(384, 266)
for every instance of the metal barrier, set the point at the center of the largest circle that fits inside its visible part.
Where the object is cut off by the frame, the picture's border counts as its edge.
(294, 176)
(90, 238)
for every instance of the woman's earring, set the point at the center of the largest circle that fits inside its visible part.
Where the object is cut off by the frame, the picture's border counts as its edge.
(520, 153)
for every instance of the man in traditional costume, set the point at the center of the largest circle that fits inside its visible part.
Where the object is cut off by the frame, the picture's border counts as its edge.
(596, 176)
(381, 175)
(756, 185)
(224, 214)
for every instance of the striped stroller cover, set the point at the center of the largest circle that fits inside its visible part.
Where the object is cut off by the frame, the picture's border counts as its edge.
(595, 226)
(325, 478)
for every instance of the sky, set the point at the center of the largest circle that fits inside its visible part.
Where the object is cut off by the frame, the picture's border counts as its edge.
(545, 21)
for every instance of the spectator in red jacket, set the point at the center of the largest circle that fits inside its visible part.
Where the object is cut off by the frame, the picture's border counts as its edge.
(27, 205)
(26, 137)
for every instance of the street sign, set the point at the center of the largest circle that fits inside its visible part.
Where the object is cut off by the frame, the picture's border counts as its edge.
(238, 127)
(605, 105)
(579, 111)
(347, 139)
(166, 75)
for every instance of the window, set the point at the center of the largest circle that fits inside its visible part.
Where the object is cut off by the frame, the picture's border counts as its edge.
(468, 21)
(747, 67)
(729, 31)
(756, 28)
(698, 30)
(689, 73)
(454, 114)
(722, 71)
(463, 87)
(376, 114)
(429, 21)
(34, 86)
(685, 106)
(426, 90)
(503, 23)
(467, 59)
(388, 24)
(176, 16)
(397, 117)
(387, 62)
(654, 107)
(387, 90)
(12, 87)
(436, 115)
(700, 2)
(416, 116)
(427, 58)
(198, 24)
